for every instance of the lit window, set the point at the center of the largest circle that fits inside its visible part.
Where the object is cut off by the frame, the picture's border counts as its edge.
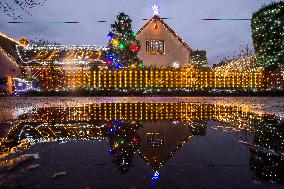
(155, 46)
(155, 139)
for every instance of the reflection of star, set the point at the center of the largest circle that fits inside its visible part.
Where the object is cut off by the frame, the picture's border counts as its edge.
(123, 162)
(155, 8)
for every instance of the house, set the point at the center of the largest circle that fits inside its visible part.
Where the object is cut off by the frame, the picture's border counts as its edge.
(8, 64)
(161, 46)
(8, 70)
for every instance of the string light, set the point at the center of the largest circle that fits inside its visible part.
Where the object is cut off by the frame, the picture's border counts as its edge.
(269, 46)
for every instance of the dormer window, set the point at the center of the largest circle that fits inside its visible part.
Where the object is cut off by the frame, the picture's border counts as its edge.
(155, 46)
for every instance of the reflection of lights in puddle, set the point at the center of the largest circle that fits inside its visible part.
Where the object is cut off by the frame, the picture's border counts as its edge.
(175, 122)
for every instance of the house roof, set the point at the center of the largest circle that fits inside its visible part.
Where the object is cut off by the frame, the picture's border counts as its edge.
(9, 45)
(156, 17)
(156, 164)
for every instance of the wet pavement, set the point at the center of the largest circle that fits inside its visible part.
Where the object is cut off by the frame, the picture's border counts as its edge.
(142, 143)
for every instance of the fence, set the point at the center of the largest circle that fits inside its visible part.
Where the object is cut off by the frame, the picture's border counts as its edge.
(78, 77)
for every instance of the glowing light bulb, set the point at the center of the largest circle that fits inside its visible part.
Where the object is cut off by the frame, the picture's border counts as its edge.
(155, 9)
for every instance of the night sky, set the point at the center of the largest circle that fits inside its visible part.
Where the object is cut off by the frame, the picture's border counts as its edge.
(218, 38)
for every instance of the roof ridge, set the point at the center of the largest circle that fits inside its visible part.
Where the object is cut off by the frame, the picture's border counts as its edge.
(168, 28)
(9, 38)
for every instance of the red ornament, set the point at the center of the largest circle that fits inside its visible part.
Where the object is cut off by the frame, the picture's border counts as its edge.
(135, 139)
(134, 48)
(108, 62)
(109, 125)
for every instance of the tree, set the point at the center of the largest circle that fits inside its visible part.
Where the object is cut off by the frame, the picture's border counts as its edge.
(267, 32)
(267, 148)
(17, 8)
(123, 45)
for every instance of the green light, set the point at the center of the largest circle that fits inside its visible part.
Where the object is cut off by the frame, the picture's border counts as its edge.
(121, 141)
(121, 46)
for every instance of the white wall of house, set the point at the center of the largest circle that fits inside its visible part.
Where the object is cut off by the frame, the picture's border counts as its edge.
(175, 51)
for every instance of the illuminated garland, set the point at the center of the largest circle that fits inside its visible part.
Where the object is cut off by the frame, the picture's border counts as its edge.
(155, 18)
(74, 54)
(9, 46)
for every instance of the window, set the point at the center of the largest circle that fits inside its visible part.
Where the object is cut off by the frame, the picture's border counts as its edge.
(155, 46)
(155, 139)
(3, 81)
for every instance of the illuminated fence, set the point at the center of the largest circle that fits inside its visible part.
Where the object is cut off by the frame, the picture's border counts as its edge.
(163, 79)
(79, 78)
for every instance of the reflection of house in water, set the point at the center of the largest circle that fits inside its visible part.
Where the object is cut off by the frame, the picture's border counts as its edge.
(160, 121)
(162, 139)
(165, 128)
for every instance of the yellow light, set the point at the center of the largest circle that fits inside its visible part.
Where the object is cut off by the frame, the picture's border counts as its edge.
(115, 42)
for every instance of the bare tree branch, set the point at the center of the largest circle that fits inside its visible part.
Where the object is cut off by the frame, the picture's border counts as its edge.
(16, 9)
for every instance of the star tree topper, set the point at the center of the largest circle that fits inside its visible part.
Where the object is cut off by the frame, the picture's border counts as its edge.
(156, 9)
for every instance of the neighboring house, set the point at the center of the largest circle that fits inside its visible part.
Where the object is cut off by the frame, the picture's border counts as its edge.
(8, 70)
(8, 63)
(161, 46)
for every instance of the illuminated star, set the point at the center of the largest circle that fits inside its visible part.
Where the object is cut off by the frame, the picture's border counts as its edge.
(156, 10)
(176, 65)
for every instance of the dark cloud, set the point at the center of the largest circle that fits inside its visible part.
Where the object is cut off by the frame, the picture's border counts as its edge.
(218, 38)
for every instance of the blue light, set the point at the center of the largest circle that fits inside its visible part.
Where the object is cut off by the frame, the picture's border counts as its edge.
(118, 122)
(111, 150)
(118, 66)
(110, 36)
(156, 175)
(110, 57)
(111, 130)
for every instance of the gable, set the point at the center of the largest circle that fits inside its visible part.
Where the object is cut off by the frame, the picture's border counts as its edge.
(9, 46)
(7, 64)
(173, 138)
(158, 20)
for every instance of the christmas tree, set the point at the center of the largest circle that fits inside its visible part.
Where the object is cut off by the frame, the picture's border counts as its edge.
(123, 45)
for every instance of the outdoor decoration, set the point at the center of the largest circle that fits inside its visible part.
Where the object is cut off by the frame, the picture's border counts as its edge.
(124, 141)
(198, 59)
(123, 45)
(268, 36)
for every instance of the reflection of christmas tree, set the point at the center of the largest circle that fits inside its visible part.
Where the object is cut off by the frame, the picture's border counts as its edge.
(124, 141)
(123, 45)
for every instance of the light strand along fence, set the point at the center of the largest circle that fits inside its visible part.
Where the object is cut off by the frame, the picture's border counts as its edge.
(78, 78)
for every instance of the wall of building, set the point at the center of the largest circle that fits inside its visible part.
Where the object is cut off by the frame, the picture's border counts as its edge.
(8, 70)
(175, 51)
